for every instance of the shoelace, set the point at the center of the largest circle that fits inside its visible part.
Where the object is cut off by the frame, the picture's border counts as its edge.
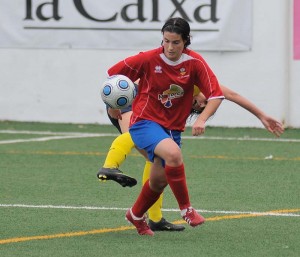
(186, 218)
(143, 225)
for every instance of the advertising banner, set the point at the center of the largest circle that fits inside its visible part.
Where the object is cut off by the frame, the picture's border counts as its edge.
(216, 25)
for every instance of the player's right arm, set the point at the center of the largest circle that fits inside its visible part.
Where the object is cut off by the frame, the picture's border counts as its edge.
(270, 123)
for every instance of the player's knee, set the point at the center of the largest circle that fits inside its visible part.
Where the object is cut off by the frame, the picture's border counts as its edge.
(174, 158)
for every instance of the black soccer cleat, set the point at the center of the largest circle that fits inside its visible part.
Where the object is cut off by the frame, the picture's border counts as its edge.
(164, 225)
(115, 174)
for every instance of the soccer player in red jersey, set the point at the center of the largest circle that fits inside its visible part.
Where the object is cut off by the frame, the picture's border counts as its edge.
(167, 77)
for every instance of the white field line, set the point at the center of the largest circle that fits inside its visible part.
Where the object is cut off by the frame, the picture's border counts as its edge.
(43, 139)
(124, 209)
(54, 136)
(68, 135)
(53, 133)
(245, 139)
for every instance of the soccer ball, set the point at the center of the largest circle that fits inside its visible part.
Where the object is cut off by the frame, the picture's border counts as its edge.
(118, 92)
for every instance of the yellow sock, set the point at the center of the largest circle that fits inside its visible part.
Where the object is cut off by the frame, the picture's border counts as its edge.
(118, 151)
(154, 211)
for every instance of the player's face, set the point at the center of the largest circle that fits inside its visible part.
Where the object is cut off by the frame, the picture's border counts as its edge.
(173, 45)
(199, 102)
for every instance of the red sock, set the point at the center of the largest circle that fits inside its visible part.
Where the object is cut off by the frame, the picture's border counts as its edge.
(145, 200)
(177, 182)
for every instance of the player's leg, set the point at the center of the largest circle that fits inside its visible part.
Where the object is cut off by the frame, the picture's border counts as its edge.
(158, 142)
(144, 201)
(154, 213)
(156, 220)
(169, 151)
(117, 153)
(147, 196)
(120, 147)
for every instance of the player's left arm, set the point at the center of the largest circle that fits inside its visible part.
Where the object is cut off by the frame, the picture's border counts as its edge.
(212, 105)
(210, 88)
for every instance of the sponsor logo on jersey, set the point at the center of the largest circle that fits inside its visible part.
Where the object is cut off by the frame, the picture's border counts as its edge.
(167, 96)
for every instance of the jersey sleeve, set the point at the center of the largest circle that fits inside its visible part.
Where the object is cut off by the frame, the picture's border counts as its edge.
(206, 80)
(132, 67)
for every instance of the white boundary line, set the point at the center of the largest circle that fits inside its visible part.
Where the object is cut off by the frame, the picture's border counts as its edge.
(69, 135)
(55, 133)
(124, 209)
(43, 139)
(56, 136)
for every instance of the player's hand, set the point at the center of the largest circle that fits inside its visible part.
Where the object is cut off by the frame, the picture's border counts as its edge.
(115, 113)
(198, 128)
(273, 125)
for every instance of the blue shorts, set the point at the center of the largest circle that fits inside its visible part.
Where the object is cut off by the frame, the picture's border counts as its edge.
(147, 134)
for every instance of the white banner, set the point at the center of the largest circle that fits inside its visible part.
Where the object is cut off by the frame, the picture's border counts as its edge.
(216, 25)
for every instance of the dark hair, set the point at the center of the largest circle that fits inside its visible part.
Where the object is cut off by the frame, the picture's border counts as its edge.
(179, 26)
(194, 115)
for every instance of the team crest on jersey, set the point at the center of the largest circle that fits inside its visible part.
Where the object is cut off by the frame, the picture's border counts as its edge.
(167, 96)
(158, 69)
(182, 71)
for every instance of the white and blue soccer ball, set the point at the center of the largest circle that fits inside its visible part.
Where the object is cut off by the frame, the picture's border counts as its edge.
(118, 91)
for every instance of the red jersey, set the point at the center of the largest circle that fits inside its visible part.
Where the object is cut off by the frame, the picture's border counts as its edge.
(165, 90)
